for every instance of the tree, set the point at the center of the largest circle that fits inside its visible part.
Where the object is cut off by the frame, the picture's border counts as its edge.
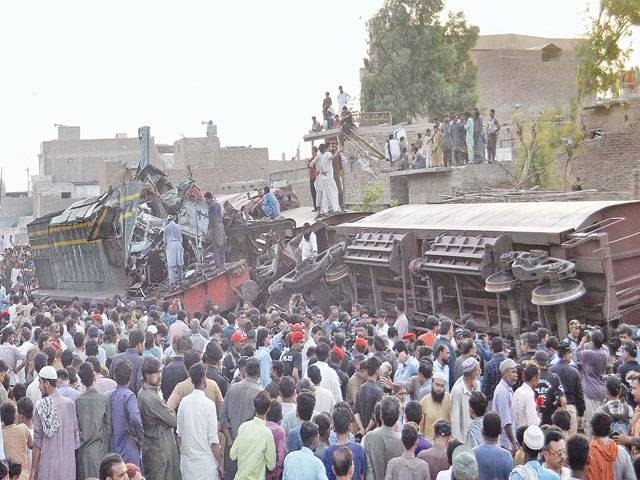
(416, 64)
(572, 133)
(539, 138)
(601, 58)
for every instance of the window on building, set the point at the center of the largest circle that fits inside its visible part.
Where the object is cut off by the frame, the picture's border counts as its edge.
(65, 194)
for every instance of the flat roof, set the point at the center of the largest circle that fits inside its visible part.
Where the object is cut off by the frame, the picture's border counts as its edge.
(530, 222)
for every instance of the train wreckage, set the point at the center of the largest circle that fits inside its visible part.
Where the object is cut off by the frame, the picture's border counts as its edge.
(507, 264)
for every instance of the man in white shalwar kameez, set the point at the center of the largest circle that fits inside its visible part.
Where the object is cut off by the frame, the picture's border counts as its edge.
(174, 250)
(329, 202)
(308, 244)
(200, 453)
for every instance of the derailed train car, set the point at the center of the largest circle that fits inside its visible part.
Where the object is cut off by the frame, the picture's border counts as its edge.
(507, 264)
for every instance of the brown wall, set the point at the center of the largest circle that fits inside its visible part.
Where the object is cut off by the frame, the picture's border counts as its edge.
(509, 77)
(610, 161)
(90, 160)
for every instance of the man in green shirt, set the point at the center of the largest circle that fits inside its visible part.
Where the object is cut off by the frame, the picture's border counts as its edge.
(254, 447)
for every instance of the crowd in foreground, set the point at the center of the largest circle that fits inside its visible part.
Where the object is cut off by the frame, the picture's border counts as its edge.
(125, 390)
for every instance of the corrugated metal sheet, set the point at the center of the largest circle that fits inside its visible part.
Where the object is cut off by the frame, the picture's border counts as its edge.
(79, 211)
(126, 198)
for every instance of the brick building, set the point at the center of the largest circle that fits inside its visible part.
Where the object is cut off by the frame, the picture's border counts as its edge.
(608, 159)
(72, 159)
(220, 169)
(521, 72)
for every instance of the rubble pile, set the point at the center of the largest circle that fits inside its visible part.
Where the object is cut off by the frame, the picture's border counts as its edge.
(251, 237)
(113, 244)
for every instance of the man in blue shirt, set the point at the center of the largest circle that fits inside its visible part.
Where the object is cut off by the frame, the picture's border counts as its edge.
(263, 354)
(532, 445)
(305, 405)
(494, 462)
(270, 205)
(342, 419)
(504, 406)
(303, 464)
(407, 364)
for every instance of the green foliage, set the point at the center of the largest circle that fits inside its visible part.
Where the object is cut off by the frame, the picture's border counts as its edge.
(372, 193)
(572, 133)
(601, 58)
(540, 138)
(416, 64)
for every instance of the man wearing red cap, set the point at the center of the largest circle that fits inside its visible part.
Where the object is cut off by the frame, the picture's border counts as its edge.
(230, 360)
(338, 351)
(359, 349)
(292, 358)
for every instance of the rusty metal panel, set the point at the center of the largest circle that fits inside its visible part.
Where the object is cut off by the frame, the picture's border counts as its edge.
(460, 254)
(388, 250)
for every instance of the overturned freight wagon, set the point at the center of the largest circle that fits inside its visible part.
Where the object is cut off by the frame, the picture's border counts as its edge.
(507, 264)
(71, 254)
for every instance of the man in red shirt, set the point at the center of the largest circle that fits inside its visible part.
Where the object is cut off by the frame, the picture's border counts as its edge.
(430, 335)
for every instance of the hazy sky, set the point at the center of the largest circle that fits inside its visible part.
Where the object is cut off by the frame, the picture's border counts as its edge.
(257, 68)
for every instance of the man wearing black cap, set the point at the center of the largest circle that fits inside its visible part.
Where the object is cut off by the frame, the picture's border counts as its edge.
(549, 387)
(571, 384)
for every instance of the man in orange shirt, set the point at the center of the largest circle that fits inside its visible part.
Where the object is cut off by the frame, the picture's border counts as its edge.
(430, 335)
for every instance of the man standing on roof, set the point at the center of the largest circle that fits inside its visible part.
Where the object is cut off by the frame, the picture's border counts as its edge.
(216, 229)
(174, 250)
(329, 199)
(343, 99)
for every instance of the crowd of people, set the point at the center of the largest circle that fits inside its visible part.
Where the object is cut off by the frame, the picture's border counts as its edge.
(330, 118)
(457, 140)
(130, 390)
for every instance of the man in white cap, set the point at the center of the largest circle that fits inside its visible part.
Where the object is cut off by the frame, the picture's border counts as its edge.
(435, 406)
(504, 406)
(55, 431)
(465, 466)
(532, 444)
(468, 382)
